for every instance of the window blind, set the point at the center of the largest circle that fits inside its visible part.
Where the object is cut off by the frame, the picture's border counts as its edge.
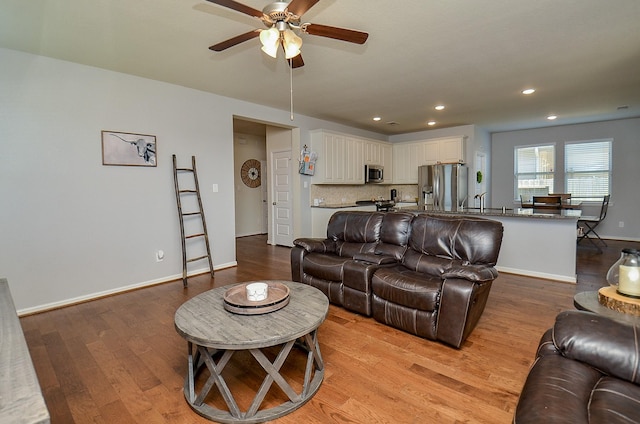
(588, 169)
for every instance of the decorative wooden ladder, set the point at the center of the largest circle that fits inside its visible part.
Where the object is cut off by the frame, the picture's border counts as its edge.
(182, 215)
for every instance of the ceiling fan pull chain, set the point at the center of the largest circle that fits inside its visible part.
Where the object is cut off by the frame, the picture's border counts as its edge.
(291, 85)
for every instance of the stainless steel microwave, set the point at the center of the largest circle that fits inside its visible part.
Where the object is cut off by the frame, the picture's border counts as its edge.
(373, 174)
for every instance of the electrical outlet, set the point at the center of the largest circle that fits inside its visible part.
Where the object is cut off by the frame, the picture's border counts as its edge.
(621, 224)
(215, 188)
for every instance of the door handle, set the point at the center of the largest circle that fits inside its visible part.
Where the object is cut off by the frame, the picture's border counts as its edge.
(274, 203)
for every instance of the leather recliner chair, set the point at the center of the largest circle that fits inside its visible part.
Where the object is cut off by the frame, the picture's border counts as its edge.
(587, 370)
(440, 288)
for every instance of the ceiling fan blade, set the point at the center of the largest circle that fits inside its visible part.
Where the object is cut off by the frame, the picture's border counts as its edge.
(343, 34)
(235, 40)
(298, 7)
(296, 62)
(239, 7)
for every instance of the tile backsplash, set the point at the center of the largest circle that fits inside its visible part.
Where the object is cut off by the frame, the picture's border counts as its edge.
(348, 194)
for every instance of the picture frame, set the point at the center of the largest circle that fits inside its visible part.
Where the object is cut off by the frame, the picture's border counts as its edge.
(128, 149)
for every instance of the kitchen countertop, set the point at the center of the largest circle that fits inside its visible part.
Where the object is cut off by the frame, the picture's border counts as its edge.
(517, 213)
(334, 205)
(353, 205)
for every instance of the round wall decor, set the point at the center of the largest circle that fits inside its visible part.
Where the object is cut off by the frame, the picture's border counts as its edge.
(250, 173)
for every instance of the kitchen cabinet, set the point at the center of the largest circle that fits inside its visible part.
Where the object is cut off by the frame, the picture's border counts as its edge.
(407, 157)
(340, 158)
(386, 153)
(379, 153)
(372, 153)
(451, 150)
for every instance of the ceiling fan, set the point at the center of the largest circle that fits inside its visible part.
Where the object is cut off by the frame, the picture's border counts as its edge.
(282, 20)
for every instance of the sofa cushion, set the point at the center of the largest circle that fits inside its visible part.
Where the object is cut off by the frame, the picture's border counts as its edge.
(433, 266)
(473, 240)
(349, 250)
(325, 267)
(355, 227)
(580, 336)
(394, 234)
(411, 289)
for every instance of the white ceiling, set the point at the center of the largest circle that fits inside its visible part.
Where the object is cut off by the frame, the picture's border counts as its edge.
(474, 56)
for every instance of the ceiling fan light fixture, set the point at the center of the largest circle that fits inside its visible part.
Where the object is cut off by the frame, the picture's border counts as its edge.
(291, 43)
(270, 39)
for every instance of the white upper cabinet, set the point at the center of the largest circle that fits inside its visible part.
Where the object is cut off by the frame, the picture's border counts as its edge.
(340, 158)
(386, 153)
(407, 157)
(451, 150)
(379, 153)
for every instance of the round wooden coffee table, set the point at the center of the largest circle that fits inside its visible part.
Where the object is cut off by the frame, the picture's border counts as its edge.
(213, 332)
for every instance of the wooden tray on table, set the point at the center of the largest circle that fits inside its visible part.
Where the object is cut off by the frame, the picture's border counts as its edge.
(235, 299)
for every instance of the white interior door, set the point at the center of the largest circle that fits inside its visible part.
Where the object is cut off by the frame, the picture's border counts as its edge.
(264, 171)
(281, 205)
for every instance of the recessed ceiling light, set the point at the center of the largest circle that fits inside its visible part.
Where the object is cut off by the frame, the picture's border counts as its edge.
(439, 107)
(377, 118)
(552, 117)
(529, 91)
(431, 123)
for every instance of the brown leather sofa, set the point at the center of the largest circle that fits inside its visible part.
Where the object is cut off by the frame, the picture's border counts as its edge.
(427, 275)
(587, 370)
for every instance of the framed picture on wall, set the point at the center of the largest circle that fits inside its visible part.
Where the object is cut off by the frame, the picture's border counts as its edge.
(128, 149)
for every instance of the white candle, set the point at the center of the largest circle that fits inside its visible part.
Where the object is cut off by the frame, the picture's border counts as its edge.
(629, 280)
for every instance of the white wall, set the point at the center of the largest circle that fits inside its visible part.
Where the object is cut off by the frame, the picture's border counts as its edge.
(71, 228)
(625, 201)
(248, 200)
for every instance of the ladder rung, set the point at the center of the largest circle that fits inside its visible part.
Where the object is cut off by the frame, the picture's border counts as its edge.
(184, 169)
(198, 258)
(187, 191)
(194, 236)
(191, 213)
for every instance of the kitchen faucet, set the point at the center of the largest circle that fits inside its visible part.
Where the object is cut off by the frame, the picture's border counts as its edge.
(481, 197)
(461, 205)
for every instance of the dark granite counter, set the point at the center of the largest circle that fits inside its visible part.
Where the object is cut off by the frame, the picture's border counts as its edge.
(500, 212)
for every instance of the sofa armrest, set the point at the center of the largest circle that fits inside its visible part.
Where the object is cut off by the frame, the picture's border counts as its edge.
(475, 273)
(316, 245)
(601, 342)
(546, 346)
(372, 258)
(461, 305)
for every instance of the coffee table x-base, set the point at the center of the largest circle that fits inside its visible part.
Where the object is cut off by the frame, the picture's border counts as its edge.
(214, 335)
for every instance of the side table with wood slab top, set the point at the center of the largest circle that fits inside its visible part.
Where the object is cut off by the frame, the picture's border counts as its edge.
(589, 301)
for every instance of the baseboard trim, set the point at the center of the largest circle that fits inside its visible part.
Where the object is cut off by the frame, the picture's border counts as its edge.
(97, 295)
(535, 274)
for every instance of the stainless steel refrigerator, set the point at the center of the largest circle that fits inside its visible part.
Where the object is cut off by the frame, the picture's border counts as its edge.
(443, 187)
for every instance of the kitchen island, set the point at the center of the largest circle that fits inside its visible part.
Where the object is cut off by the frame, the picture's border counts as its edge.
(536, 244)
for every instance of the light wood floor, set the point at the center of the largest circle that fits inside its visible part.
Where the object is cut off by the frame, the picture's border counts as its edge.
(120, 360)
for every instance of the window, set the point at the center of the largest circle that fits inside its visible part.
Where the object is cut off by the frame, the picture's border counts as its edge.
(587, 169)
(534, 171)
